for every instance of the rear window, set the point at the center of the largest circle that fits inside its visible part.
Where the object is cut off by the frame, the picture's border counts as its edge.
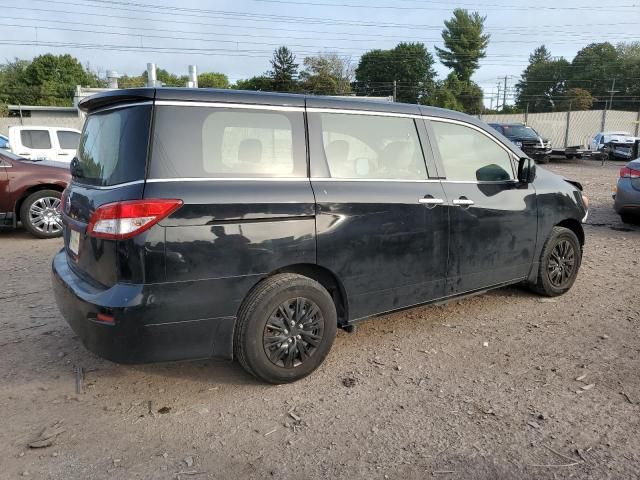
(68, 140)
(206, 142)
(113, 147)
(36, 139)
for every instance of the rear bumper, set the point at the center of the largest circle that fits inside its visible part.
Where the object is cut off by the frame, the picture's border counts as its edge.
(627, 198)
(146, 328)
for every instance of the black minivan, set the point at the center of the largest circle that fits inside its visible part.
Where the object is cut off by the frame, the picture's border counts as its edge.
(229, 224)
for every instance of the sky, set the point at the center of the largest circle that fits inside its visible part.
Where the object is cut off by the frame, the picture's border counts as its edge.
(237, 37)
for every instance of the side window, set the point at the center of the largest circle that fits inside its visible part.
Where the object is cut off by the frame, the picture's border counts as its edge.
(36, 139)
(68, 140)
(469, 155)
(371, 147)
(227, 142)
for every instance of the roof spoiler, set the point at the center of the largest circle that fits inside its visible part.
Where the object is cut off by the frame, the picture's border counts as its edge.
(116, 97)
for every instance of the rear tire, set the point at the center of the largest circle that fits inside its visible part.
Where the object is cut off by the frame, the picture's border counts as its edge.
(629, 218)
(285, 328)
(559, 263)
(40, 214)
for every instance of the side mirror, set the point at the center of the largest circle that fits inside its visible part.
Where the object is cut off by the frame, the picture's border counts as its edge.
(526, 170)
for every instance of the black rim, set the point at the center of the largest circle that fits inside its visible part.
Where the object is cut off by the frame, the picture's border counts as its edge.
(293, 332)
(561, 264)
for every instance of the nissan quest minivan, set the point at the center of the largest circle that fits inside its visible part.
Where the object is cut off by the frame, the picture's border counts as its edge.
(228, 224)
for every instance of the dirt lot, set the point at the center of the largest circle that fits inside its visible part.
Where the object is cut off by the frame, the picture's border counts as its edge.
(504, 385)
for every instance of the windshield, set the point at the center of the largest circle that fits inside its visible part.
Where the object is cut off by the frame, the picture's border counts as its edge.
(520, 131)
(113, 147)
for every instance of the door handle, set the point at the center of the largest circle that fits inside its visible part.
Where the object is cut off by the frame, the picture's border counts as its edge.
(431, 201)
(463, 202)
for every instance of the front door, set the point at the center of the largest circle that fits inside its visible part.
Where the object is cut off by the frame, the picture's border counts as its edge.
(493, 218)
(380, 221)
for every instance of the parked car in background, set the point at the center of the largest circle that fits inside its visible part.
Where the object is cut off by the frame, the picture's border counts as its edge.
(4, 142)
(616, 145)
(44, 143)
(30, 192)
(213, 223)
(527, 139)
(627, 193)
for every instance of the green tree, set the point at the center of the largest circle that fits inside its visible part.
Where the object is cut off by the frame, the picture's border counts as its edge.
(409, 64)
(52, 79)
(327, 74)
(461, 95)
(12, 88)
(628, 84)
(594, 68)
(168, 79)
(465, 43)
(126, 81)
(543, 83)
(213, 80)
(284, 70)
(259, 83)
(576, 99)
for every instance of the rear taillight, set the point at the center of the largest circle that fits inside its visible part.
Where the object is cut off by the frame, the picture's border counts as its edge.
(122, 220)
(626, 172)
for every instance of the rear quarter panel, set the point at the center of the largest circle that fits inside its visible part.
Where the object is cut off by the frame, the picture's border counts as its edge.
(229, 235)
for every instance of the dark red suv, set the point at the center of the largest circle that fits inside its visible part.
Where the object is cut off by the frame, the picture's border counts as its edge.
(30, 192)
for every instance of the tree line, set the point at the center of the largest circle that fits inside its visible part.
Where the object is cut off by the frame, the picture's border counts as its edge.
(406, 71)
(587, 82)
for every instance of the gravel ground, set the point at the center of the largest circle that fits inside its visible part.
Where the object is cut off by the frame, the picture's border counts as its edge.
(503, 385)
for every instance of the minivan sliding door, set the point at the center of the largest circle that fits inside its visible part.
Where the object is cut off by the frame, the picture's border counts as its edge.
(381, 226)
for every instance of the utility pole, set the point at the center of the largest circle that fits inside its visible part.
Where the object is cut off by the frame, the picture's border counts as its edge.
(498, 99)
(504, 101)
(612, 92)
(395, 91)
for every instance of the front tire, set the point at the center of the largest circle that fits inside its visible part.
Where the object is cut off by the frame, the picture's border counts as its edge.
(40, 214)
(285, 328)
(559, 263)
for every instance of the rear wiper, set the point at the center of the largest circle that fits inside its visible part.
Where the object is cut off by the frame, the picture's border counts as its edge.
(75, 168)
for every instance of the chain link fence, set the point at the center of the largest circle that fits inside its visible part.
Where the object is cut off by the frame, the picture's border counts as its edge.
(573, 129)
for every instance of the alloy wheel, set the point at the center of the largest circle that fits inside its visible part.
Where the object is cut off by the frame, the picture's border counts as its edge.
(44, 215)
(561, 264)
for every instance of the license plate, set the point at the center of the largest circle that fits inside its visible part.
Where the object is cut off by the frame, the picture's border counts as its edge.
(74, 242)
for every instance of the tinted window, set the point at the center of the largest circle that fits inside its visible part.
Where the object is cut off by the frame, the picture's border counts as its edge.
(68, 140)
(469, 155)
(520, 131)
(227, 142)
(36, 139)
(113, 146)
(371, 147)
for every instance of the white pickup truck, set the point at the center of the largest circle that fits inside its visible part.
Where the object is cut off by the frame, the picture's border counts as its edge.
(44, 143)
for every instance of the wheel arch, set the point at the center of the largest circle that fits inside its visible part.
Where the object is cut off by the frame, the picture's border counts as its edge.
(327, 279)
(32, 189)
(575, 226)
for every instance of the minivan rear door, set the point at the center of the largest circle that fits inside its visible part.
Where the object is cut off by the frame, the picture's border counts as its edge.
(382, 223)
(240, 169)
(109, 167)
